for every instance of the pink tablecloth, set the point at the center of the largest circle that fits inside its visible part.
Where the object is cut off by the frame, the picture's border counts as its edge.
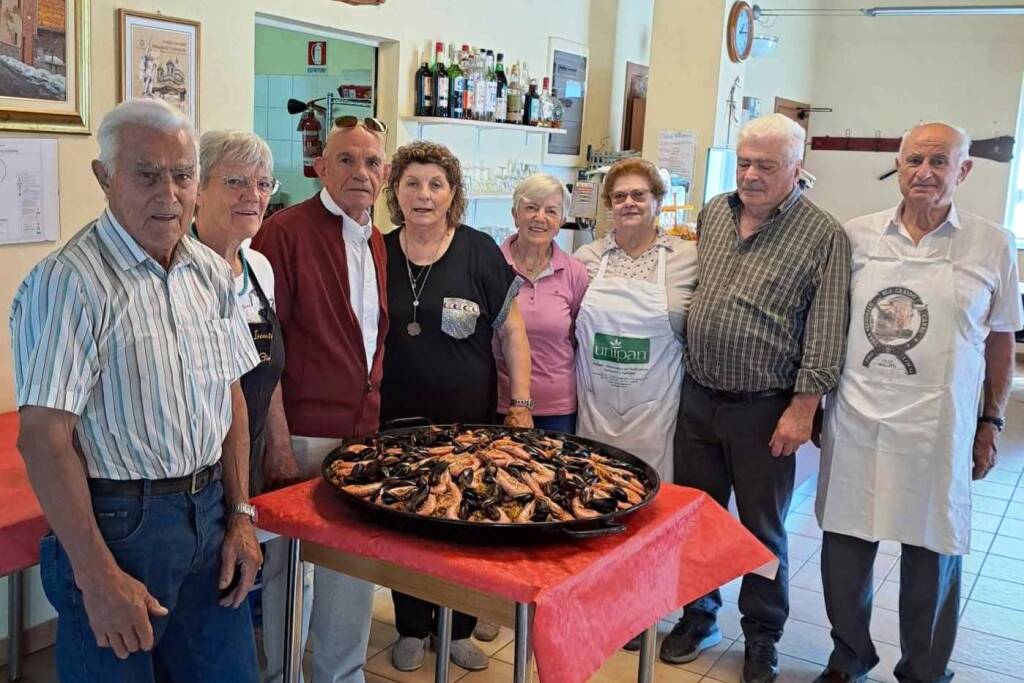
(590, 596)
(21, 519)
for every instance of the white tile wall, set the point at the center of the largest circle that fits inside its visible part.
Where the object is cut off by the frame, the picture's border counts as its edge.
(279, 90)
(281, 125)
(259, 121)
(260, 92)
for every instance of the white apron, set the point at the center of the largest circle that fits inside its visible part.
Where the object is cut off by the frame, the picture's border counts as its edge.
(896, 454)
(629, 367)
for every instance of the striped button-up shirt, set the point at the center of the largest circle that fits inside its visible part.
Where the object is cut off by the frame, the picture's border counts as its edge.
(770, 311)
(144, 356)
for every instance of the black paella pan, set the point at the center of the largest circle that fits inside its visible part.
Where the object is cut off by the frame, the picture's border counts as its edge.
(495, 532)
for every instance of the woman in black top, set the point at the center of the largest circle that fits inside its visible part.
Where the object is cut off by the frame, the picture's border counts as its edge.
(449, 292)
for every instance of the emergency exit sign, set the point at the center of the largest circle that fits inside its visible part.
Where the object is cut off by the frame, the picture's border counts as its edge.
(316, 57)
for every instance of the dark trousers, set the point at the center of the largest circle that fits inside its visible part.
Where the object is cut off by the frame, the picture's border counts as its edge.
(721, 447)
(415, 618)
(929, 605)
(172, 544)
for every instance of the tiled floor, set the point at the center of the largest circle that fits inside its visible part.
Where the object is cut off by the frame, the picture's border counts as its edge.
(990, 643)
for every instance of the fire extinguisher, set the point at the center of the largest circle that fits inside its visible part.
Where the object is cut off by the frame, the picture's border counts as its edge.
(312, 145)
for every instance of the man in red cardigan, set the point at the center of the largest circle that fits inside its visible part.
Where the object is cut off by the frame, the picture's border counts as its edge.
(329, 270)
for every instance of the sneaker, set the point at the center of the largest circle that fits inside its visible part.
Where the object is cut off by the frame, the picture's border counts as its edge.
(485, 631)
(761, 662)
(634, 644)
(833, 676)
(466, 654)
(408, 653)
(686, 642)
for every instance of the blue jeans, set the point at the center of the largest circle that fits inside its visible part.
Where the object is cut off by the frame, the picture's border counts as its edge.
(554, 423)
(172, 544)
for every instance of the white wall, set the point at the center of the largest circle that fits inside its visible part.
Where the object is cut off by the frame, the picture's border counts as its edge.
(789, 71)
(632, 44)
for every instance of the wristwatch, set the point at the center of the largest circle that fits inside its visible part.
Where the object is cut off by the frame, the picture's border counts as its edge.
(522, 403)
(247, 509)
(998, 422)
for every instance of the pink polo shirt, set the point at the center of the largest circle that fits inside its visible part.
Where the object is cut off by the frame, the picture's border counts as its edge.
(549, 307)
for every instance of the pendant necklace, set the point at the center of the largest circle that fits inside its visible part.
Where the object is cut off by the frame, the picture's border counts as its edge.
(413, 328)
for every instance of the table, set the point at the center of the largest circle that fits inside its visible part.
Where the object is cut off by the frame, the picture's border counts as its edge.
(678, 548)
(21, 526)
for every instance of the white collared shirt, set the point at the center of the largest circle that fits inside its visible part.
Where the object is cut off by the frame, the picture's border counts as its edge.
(984, 259)
(362, 276)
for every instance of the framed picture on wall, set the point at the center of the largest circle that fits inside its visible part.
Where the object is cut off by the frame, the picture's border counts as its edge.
(567, 67)
(44, 66)
(159, 59)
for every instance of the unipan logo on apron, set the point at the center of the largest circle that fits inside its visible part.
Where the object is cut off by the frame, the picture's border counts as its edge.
(895, 321)
(625, 350)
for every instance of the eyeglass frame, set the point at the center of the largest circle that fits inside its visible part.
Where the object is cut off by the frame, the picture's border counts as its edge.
(620, 197)
(250, 183)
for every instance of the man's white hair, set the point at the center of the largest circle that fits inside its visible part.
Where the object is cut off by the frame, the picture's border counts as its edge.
(240, 146)
(963, 147)
(154, 114)
(777, 127)
(538, 187)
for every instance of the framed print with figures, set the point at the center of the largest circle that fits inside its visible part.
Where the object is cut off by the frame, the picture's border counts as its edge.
(159, 59)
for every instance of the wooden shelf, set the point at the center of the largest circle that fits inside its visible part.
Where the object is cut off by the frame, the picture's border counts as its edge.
(441, 121)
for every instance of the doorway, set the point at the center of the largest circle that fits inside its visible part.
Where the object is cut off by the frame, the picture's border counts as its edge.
(634, 107)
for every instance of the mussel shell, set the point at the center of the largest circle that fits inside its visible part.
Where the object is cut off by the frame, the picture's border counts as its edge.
(417, 499)
(465, 478)
(603, 505)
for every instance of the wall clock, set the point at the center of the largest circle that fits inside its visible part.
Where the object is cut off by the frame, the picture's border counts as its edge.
(739, 31)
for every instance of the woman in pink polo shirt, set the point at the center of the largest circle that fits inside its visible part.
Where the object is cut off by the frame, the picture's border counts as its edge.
(553, 286)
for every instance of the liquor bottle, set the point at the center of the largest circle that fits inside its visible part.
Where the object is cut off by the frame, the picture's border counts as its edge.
(492, 84)
(424, 90)
(546, 105)
(515, 97)
(455, 84)
(531, 105)
(557, 109)
(480, 86)
(440, 81)
(501, 98)
(468, 84)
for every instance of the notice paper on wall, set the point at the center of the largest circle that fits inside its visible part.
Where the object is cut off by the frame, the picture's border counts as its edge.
(676, 151)
(29, 208)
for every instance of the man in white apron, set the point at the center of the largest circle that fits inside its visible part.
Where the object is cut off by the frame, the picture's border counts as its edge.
(765, 339)
(934, 305)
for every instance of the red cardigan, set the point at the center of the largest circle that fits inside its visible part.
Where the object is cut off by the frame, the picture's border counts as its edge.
(325, 386)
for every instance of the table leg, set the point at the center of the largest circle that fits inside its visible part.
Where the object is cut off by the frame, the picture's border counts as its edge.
(15, 609)
(523, 646)
(293, 615)
(647, 644)
(444, 643)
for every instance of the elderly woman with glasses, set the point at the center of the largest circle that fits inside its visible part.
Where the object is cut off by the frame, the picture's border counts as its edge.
(235, 186)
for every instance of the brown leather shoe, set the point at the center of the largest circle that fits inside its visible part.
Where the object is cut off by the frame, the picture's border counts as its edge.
(833, 676)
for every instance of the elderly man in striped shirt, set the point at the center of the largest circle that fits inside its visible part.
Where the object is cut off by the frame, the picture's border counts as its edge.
(766, 335)
(128, 346)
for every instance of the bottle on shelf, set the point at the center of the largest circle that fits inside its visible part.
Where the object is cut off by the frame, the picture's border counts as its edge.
(468, 83)
(546, 105)
(455, 84)
(440, 74)
(515, 97)
(557, 109)
(531, 105)
(491, 84)
(501, 97)
(424, 89)
(479, 86)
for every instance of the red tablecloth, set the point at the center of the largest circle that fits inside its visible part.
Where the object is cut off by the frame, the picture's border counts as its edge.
(21, 519)
(590, 596)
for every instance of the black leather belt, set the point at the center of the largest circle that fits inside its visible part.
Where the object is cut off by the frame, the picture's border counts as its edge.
(741, 396)
(193, 484)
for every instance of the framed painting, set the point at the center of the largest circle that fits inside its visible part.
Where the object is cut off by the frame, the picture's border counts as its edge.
(44, 66)
(159, 59)
(567, 64)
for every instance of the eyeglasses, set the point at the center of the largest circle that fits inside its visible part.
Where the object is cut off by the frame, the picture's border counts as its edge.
(638, 196)
(376, 125)
(264, 186)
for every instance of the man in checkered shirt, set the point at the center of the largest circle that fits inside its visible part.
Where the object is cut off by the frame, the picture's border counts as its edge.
(766, 337)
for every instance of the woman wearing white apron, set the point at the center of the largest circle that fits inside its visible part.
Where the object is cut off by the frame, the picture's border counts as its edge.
(630, 325)
(899, 433)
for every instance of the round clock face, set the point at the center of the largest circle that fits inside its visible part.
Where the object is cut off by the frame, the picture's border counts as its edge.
(740, 31)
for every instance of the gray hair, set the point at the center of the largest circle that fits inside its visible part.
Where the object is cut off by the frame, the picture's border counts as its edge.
(963, 147)
(239, 146)
(778, 127)
(154, 114)
(538, 187)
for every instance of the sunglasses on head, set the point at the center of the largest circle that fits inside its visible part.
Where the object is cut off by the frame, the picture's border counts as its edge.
(376, 125)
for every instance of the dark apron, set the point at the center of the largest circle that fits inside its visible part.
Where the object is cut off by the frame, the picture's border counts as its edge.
(259, 383)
